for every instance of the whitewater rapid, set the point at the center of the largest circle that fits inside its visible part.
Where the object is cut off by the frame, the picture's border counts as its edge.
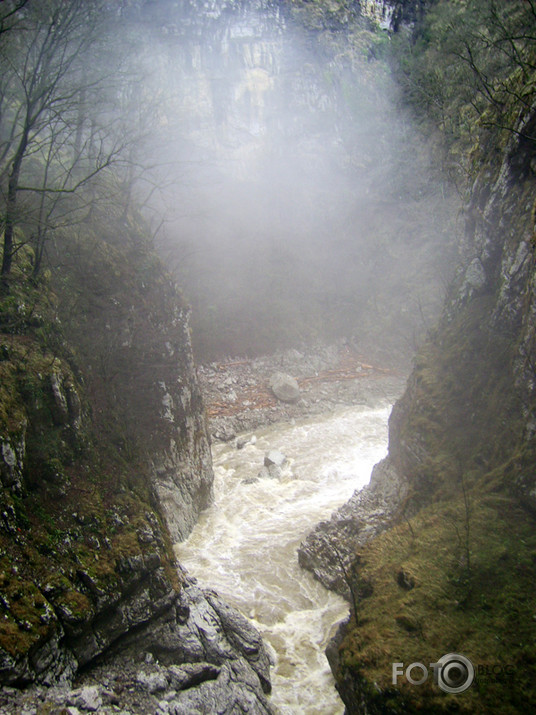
(245, 545)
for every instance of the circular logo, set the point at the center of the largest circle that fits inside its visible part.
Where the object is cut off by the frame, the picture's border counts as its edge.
(455, 673)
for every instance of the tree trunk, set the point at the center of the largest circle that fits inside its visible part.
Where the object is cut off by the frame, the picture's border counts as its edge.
(11, 206)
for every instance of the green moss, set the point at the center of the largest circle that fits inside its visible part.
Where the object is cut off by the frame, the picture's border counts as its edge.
(60, 543)
(24, 616)
(461, 414)
(484, 611)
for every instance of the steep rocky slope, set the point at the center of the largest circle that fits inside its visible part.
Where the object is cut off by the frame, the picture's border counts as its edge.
(452, 564)
(292, 169)
(105, 462)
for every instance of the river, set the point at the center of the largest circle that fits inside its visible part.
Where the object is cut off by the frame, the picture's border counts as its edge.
(244, 546)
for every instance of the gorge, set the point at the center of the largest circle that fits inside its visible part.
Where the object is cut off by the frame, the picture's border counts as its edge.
(343, 191)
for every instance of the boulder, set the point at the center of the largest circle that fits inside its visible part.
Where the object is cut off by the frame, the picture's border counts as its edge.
(87, 698)
(274, 457)
(284, 387)
(244, 441)
(234, 689)
(152, 681)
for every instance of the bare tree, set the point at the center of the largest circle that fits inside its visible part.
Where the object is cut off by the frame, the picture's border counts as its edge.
(51, 147)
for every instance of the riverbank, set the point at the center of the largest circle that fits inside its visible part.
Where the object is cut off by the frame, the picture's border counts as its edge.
(245, 545)
(238, 396)
(261, 524)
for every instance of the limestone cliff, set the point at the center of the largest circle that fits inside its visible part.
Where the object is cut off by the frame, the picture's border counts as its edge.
(105, 461)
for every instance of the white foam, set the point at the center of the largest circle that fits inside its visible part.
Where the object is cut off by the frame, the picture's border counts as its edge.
(245, 545)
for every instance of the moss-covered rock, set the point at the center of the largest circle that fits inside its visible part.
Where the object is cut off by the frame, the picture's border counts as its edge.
(463, 440)
(100, 412)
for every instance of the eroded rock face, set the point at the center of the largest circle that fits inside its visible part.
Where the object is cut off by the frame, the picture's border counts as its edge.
(203, 628)
(330, 547)
(489, 314)
(96, 453)
(198, 655)
(107, 586)
(181, 462)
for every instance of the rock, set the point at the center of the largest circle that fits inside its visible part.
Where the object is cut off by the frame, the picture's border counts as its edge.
(87, 698)
(405, 580)
(204, 629)
(152, 682)
(12, 456)
(234, 690)
(224, 433)
(475, 278)
(274, 457)
(275, 472)
(74, 405)
(284, 387)
(60, 411)
(189, 675)
(271, 472)
(367, 513)
(244, 441)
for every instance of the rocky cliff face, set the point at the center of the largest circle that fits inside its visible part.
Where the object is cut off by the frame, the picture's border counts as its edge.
(461, 440)
(105, 462)
(280, 136)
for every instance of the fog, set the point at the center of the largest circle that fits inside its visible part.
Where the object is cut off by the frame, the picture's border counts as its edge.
(289, 193)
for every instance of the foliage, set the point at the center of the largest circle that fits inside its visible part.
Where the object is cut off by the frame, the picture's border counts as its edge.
(462, 59)
(62, 81)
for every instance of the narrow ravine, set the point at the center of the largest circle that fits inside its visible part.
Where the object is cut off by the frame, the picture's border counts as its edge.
(244, 545)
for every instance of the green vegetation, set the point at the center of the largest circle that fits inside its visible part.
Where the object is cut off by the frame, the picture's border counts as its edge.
(468, 65)
(461, 392)
(463, 539)
(79, 494)
(456, 572)
(485, 612)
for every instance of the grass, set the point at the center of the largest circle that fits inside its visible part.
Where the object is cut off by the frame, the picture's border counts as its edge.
(485, 611)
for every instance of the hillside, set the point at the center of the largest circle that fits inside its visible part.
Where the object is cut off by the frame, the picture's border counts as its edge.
(452, 566)
(105, 463)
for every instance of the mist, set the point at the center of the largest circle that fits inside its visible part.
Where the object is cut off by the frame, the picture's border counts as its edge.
(289, 193)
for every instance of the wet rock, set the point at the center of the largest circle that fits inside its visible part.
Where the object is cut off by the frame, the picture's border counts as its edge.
(224, 433)
(12, 454)
(234, 690)
(475, 278)
(87, 698)
(189, 675)
(367, 513)
(284, 387)
(152, 682)
(274, 457)
(252, 411)
(202, 628)
(271, 472)
(244, 441)
(60, 411)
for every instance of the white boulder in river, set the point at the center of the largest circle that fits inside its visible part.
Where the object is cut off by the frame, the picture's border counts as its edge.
(274, 457)
(284, 387)
(273, 462)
